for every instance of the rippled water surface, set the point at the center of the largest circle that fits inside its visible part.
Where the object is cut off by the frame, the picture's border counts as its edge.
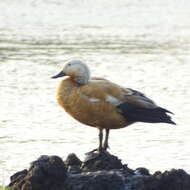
(143, 45)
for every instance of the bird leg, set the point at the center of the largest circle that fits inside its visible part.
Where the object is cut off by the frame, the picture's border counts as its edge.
(100, 140)
(100, 148)
(105, 146)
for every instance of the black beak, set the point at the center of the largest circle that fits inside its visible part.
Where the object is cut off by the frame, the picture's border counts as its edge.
(61, 74)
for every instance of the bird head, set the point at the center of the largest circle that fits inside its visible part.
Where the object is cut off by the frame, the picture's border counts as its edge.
(77, 70)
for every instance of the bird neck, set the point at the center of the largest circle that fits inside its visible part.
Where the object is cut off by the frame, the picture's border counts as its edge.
(81, 79)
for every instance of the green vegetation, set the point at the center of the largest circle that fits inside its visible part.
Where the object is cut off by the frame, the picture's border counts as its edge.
(4, 188)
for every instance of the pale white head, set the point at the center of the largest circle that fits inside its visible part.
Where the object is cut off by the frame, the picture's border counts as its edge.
(77, 70)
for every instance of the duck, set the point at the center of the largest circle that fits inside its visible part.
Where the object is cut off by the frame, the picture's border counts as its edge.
(100, 103)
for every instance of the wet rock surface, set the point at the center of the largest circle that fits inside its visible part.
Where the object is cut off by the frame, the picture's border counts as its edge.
(98, 172)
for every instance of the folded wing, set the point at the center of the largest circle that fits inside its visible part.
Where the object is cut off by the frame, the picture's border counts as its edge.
(138, 107)
(133, 105)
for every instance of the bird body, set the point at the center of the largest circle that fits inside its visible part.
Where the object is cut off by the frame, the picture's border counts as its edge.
(100, 103)
(91, 103)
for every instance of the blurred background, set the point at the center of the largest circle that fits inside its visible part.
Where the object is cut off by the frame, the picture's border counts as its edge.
(141, 44)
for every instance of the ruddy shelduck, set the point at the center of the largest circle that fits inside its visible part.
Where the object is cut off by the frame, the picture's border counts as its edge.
(99, 103)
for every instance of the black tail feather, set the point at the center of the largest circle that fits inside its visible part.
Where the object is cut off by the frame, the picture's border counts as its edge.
(167, 111)
(135, 113)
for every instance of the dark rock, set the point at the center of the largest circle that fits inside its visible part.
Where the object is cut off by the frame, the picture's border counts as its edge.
(17, 178)
(169, 180)
(127, 171)
(141, 171)
(157, 174)
(49, 166)
(74, 169)
(101, 161)
(174, 180)
(17, 175)
(73, 163)
(142, 182)
(73, 160)
(102, 180)
(46, 173)
(98, 172)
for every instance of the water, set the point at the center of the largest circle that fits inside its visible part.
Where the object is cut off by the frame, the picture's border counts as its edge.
(143, 45)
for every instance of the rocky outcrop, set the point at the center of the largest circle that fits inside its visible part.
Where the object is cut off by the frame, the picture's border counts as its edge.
(98, 172)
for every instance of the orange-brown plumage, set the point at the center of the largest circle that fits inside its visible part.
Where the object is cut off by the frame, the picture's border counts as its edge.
(96, 113)
(102, 104)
